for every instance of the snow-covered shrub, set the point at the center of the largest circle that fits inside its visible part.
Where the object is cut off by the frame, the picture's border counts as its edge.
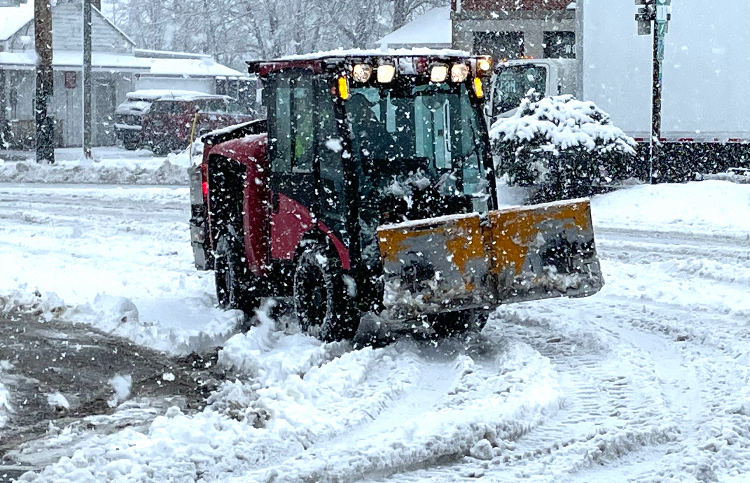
(564, 147)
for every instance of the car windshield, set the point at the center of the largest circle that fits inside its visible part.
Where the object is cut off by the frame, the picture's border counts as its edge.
(513, 83)
(429, 130)
(212, 106)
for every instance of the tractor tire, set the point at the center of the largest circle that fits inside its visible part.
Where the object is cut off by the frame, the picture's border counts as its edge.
(321, 301)
(231, 278)
(458, 322)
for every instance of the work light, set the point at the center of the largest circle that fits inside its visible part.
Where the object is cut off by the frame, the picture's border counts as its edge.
(438, 73)
(484, 65)
(459, 72)
(362, 72)
(386, 73)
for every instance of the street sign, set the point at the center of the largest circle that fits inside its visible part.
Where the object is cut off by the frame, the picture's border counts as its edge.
(645, 15)
(12, 3)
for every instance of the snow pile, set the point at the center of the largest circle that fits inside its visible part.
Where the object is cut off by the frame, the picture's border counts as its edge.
(430, 404)
(705, 207)
(562, 122)
(113, 166)
(565, 147)
(121, 385)
(118, 258)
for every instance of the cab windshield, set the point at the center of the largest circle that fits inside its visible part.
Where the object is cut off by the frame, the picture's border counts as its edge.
(427, 133)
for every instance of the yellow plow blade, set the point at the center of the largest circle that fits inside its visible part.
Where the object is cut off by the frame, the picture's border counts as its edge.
(482, 261)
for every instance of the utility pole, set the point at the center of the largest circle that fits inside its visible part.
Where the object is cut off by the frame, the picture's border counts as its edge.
(660, 12)
(87, 79)
(45, 142)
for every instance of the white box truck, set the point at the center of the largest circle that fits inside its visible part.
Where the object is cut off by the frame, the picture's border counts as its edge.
(706, 70)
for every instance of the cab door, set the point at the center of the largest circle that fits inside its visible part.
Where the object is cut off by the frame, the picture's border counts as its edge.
(290, 101)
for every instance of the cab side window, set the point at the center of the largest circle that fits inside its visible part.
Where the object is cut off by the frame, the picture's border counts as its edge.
(291, 132)
(280, 130)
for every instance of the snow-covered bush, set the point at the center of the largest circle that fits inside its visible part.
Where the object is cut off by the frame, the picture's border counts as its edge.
(564, 147)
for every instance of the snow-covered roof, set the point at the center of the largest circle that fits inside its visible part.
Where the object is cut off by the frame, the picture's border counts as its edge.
(204, 66)
(13, 18)
(74, 60)
(417, 51)
(178, 95)
(432, 28)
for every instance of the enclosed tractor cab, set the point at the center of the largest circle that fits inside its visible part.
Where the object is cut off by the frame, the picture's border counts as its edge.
(370, 189)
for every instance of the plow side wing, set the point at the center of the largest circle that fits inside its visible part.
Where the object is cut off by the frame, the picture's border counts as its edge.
(469, 261)
(543, 251)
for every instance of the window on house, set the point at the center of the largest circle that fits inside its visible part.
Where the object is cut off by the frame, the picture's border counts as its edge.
(560, 45)
(500, 45)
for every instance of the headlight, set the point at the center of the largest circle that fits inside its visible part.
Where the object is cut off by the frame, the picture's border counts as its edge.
(438, 73)
(386, 73)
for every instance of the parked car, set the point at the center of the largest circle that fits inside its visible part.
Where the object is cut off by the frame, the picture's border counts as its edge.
(163, 120)
(128, 116)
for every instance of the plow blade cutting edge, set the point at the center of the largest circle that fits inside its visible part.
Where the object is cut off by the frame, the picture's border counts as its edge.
(484, 260)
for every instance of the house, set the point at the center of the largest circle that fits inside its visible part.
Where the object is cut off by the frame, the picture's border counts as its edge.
(118, 67)
(431, 30)
(514, 29)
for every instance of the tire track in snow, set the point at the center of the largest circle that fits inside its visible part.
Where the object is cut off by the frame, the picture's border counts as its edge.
(652, 389)
(452, 404)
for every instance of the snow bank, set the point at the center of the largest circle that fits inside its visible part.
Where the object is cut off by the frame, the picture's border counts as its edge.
(112, 166)
(428, 404)
(562, 122)
(705, 207)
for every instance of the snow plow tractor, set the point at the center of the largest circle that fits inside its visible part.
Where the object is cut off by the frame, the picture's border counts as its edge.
(370, 189)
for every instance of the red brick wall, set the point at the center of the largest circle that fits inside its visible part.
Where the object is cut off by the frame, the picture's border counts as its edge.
(512, 4)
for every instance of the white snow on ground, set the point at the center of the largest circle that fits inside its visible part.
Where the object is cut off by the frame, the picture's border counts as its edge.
(647, 381)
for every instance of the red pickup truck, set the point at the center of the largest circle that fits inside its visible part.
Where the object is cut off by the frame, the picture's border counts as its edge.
(166, 118)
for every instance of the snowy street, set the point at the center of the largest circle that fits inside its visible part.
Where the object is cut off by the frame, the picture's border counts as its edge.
(649, 380)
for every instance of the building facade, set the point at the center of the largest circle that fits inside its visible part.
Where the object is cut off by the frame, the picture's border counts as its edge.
(514, 29)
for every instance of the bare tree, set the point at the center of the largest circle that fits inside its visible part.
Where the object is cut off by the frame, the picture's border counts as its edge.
(236, 30)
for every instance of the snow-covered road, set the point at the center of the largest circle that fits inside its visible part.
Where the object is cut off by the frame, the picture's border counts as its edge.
(646, 381)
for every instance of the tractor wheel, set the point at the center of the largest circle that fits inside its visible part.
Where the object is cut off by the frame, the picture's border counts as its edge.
(231, 278)
(321, 301)
(458, 322)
